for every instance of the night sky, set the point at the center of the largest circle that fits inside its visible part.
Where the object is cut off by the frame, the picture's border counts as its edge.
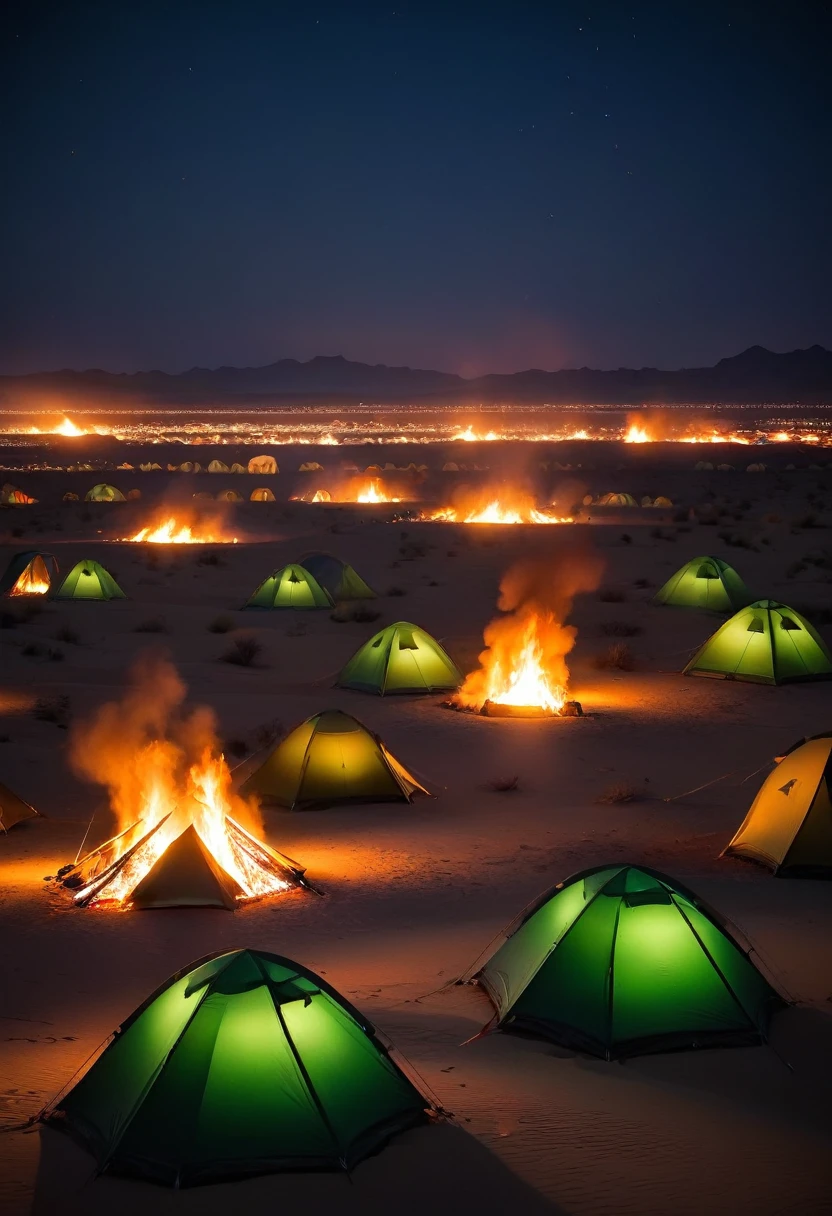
(475, 188)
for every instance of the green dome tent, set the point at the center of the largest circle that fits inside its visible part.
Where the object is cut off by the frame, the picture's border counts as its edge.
(337, 577)
(789, 825)
(243, 1064)
(619, 960)
(331, 759)
(104, 493)
(765, 643)
(26, 573)
(401, 658)
(89, 581)
(705, 582)
(291, 587)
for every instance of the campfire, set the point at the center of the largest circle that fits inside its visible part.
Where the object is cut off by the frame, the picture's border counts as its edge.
(374, 492)
(179, 529)
(184, 843)
(523, 671)
(490, 506)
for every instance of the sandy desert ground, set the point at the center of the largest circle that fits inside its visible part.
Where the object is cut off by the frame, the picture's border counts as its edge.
(414, 893)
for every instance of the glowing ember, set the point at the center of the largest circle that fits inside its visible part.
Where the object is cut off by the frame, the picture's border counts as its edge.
(33, 581)
(175, 531)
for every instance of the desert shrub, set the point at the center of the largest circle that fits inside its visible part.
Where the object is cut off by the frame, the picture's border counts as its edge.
(620, 629)
(625, 538)
(808, 520)
(53, 709)
(153, 624)
(642, 583)
(620, 791)
(504, 785)
(662, 534)
(612, 595)
(618, 657)
(243, 653)
(55, 656)
(32, 650)
(222, 624)
(358, 612)
(211, 558)
(66, 634)
(396, 591)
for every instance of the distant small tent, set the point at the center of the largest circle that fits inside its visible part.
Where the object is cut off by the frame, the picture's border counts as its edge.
(218, 466)
(616, 500)
(725, 468)
(329, 760)
(450, 466)
(243, 1063)
(757, 467)
(620, 961)
(88, 580)
(703, 466)
(312, 496)
(662, 501)
(647, 501)
(30, 573)
(103, 493)
(291, 587)
(789, 825)
(311, 466)
(705, 582)
(262, 465)
(400, 659)
(237, 468)
(229, 496)
(70, 496)
(13, 809)
(337, 577)
(765, 643)
(262, 494)
(133, 495)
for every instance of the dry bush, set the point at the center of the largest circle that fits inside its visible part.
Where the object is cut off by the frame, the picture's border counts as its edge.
(32, 650)
(211, 558)
(68, 635)
(504, 785)
(358, 612)
(612, 595)
(55, 656)
(621, 791)
(53, 709)
(396, 591)
(243, 653)
(662, 534)
(153, 624)
(625, 538)
(618, 656)
(808, 520)
(222, 624)
(268, 733)
(642, 583)
(620, 629)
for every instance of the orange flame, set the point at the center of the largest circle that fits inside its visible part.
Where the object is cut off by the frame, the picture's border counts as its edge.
(490, 506)
(524, 663)
(183, 530)
(374, 492)
(470, 436)
(33, 581)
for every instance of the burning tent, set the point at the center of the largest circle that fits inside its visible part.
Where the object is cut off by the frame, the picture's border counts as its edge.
(337, 577)
(291, 587)
(400, 659)
(263, 464)
(104, 493)
(621, 961)
(329, 760)
(88, 580)
(263, 494)
(244, 1063)
(13, 809)
(29, 573)
(11, 496)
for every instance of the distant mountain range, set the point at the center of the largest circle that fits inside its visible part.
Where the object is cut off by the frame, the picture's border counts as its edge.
(756, 375)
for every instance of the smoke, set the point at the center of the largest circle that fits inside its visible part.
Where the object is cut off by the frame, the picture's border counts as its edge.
(143, 747)
(536, 597)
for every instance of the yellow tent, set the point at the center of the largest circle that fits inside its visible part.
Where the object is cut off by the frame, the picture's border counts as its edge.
(789, 825)
(264, 494)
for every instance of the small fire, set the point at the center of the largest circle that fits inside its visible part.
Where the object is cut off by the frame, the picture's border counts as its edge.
(495, 507)
(173, 530)
(374, 492)
(33, 581)
(469, 435)
(524, 663)
(141, 750)
(637, 434)
(69, 429)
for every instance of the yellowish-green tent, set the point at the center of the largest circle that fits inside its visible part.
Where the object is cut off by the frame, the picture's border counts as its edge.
(331, 759)
(789, 825)
(88, 580)
(401, 658)
(705, 582)
(104, 493)
(765, 643)
(291, 587)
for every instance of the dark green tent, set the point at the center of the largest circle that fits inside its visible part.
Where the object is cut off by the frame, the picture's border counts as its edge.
(620, 960)
(245, 1063)
(765, 643)
(337, 577)
(30, 573)
(401, 658)
(705, 582)
(291, 587)
(88, 580)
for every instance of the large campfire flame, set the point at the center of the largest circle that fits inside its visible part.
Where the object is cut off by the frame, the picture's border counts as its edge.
(374, 492)
(173, 529)
(524, 663)
(166, 773)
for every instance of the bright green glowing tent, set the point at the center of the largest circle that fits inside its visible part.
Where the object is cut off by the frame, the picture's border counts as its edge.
(765, 643)
(89, 580)
(291, 587)
(705, 582)
(789, 825)
(244, 1063)
(104, 493)
(337, 577)
(30, 573)
(330, 759)
(619, 960)
(401, 658)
